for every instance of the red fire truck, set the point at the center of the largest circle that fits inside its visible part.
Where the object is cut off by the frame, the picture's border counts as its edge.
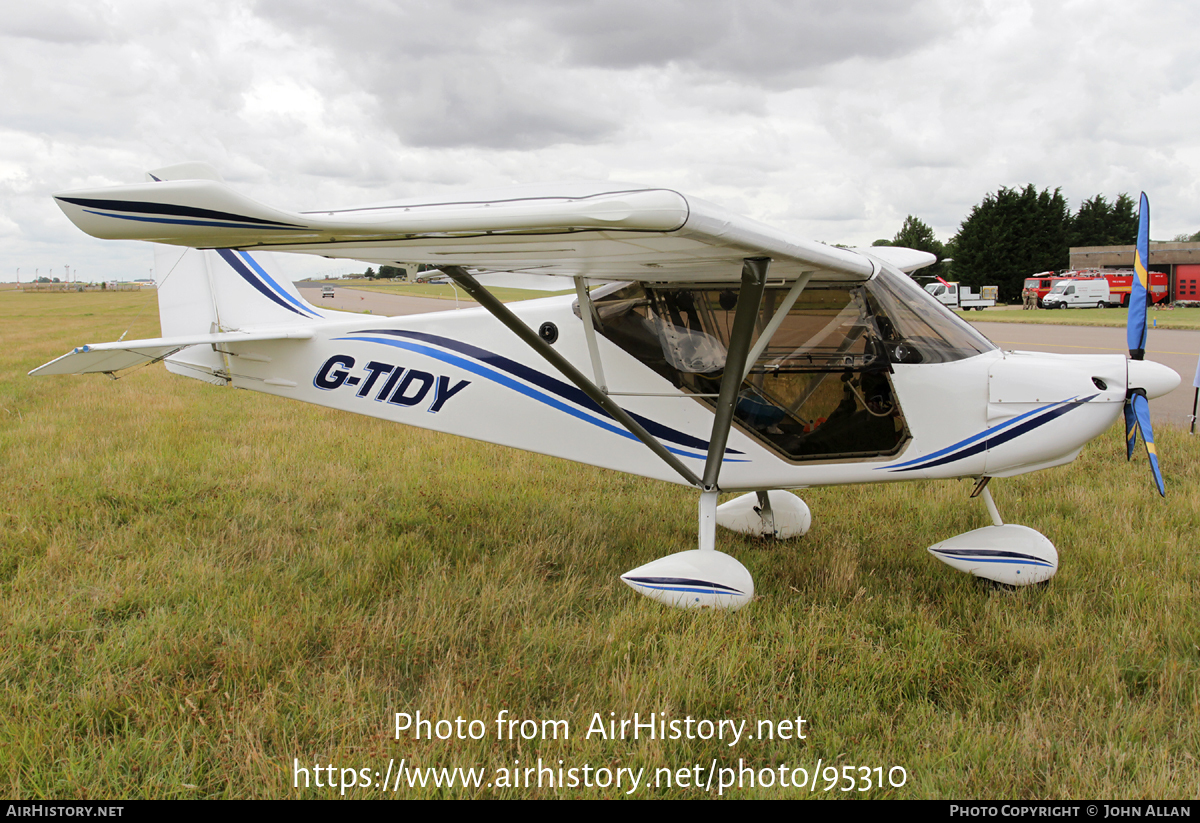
(1120, 281)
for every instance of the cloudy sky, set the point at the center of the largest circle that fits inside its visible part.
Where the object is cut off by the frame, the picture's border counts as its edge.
(830, 119)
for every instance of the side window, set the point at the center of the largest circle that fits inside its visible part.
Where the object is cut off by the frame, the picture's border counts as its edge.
(820, 389)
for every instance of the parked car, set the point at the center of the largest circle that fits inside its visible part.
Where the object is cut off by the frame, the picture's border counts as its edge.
(1078, 294)
(961, 297)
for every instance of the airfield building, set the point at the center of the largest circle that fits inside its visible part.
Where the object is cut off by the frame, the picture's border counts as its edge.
(1181, 262)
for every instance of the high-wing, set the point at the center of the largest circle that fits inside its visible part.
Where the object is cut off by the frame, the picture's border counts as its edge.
(609, 231)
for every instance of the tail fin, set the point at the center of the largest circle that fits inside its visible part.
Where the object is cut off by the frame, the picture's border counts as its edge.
(211, 291)
(232, 289)
(206, 298)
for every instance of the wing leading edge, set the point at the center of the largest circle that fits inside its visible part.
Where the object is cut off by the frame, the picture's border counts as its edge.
(608, 231)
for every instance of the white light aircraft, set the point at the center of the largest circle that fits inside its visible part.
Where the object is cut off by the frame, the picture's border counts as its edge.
(700, 347)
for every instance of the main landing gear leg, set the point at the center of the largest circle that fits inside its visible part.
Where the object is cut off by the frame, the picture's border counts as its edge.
(705, 577)
(708, 521)
(1005, 553)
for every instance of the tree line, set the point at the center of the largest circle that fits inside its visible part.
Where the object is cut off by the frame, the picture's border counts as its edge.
(392, 272)
(1014, 233)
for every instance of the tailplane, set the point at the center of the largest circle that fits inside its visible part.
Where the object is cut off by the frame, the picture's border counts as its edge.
(206, 298)
(214, 291)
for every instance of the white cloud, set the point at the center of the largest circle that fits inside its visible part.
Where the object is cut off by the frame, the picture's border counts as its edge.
(831, 120)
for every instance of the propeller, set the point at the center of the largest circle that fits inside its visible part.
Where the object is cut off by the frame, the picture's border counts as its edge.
(1137, 405)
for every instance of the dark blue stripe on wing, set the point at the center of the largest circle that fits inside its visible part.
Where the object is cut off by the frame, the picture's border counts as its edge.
(181, 222)
(144, 208)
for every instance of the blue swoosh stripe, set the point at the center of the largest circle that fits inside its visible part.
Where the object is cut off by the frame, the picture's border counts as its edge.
(991, 438)
(564, 390)
(984, 557)
(675, 582)
(966, 441)
(238, 266)
(279, 290)
(509, 382)
(683, 590)
(996, 553)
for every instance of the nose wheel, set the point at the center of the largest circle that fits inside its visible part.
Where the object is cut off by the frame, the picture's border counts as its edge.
(1002, 552)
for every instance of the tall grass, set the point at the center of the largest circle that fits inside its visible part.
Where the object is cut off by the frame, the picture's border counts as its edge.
(199, 587)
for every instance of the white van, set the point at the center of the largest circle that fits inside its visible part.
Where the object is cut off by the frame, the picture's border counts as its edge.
(961, 297)
(1077, 294)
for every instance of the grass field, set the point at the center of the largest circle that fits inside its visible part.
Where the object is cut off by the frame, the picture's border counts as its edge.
(201, 588)
(1165, 318)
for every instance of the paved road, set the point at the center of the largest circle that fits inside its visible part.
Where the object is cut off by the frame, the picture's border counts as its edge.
(1177, 349)
(388, 305)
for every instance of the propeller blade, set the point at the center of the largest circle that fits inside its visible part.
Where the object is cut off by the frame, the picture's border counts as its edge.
(1139, 295)
(1141, 407)
(1130, 429)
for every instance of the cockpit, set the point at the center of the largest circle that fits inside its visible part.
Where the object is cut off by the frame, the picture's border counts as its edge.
(821, 386)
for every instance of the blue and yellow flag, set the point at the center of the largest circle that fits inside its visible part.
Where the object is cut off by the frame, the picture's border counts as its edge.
(1139, 295)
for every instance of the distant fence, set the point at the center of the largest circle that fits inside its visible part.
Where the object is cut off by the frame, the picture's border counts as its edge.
(68, 287)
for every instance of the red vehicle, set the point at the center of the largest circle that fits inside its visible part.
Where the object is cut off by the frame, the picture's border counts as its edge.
(1120, 281)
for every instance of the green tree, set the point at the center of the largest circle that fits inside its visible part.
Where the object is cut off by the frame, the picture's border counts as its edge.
(916, 234)
(1099, 223)
(1010, 235)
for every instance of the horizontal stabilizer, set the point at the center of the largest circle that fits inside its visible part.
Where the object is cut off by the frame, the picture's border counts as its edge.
(111, 357)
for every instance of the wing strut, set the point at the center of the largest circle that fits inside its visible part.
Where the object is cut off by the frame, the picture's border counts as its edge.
(586, 312)
(777, 319)
(502, 313)
(754, 282)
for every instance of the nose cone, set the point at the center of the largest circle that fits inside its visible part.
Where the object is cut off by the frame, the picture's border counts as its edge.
(1155, 378)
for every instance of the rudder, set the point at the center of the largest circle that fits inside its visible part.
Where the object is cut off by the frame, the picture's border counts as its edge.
(210, 291)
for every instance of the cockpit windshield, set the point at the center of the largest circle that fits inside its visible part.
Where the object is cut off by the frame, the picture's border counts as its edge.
(821, 387)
